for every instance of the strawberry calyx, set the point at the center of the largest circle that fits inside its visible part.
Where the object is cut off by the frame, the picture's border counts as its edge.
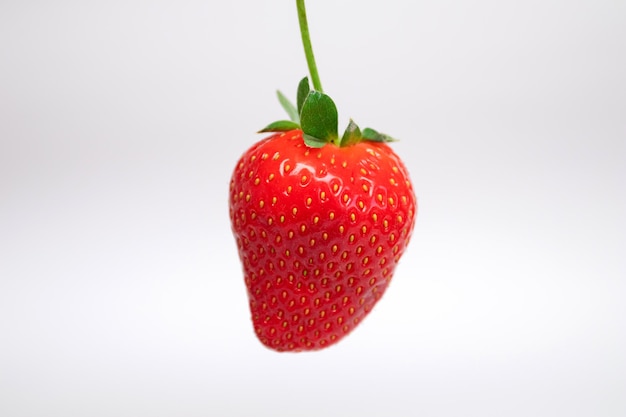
(316, 113)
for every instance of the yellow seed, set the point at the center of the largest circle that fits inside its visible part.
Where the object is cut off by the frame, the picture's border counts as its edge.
(366, 188)
(257, 181)
(309, 200)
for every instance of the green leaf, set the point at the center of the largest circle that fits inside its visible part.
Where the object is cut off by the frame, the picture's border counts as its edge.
(318, 117)
(280, 126)
(352, 135)
(303, 91)
(313, 142)
(374, 136)
(289, 107)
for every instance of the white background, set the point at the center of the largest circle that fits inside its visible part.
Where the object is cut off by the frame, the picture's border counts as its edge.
(120, 287)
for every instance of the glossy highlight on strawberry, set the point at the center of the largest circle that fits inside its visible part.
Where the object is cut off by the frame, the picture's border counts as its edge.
(319, 232)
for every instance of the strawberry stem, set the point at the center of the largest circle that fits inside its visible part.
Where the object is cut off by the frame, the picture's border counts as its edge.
(308, 49)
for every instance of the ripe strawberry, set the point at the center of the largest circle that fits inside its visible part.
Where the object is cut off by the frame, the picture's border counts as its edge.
(320, 222)
(319, 232)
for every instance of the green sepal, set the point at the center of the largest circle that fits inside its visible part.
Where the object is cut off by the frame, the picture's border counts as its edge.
(318, 117)
(291, 110)
(352, 135)
(303, 91)
(280, 126)
(374, 136)
(313, 142)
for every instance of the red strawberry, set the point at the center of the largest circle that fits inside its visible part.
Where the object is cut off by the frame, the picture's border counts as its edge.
(319, 232)
(320, 221)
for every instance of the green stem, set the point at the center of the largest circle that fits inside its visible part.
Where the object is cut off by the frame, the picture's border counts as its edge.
(308, 49)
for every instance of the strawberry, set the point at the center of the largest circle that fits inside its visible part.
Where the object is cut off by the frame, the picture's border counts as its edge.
(320, 221)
